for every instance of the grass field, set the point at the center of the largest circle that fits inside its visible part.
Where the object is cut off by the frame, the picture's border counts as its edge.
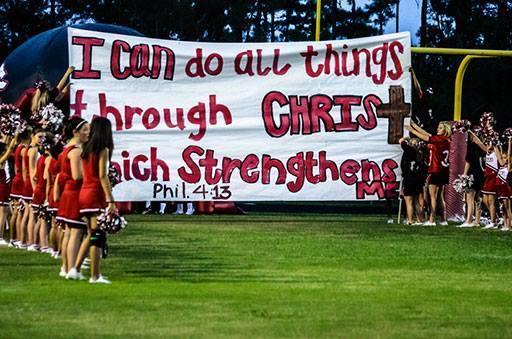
(270, 275)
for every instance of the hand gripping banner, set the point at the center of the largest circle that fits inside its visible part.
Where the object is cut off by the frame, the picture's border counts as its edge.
(247, 121)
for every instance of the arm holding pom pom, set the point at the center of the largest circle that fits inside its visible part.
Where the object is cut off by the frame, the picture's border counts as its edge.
(10, 149)
(478, 142)
(419, 132)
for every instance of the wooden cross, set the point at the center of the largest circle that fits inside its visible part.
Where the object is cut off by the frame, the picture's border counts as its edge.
(396, 110)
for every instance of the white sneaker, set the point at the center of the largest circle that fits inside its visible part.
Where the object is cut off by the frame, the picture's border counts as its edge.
(62, 273)
(100, 280)
(73, 274)
(3, 242)
(32, 248)
(504, 229)
(390, 221)
(190, 211)
(87, 261)
(464, 225)
(428, 223)
(490, 226)
(417, 223)
(443, 223)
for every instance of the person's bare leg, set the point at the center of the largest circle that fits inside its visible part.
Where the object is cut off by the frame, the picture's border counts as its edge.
(31, 226)
(64, 246)
(470, 206)
(492, 207)
(12, 223)
(43, 233)
(37, 226)
(433, 190)
(24, 226)
(19, 222)
(478, 208)
(84, 247)
(443, 204)
(53, 236)
(409, 205)
(75, 238)
(95, 252)
(3, 218)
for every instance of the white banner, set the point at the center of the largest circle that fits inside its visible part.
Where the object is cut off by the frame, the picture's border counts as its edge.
(247, 121)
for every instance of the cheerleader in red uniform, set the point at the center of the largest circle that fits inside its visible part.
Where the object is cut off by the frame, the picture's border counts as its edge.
(5, 185)
(438, 166)
(490, 177)
(17, 190)
(39, 196)
(29, 173)
(51, 170)
(503, 188)
(70, 180)
(96, 192)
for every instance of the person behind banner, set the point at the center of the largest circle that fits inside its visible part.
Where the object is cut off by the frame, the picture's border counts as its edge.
(475, 164)
(413, 179)
(96, 191)
(438, 166)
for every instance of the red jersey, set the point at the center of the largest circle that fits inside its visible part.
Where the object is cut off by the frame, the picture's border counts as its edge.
(40, 171)
(491, 164)
(91, 166)
(439, 151)
(18, 160)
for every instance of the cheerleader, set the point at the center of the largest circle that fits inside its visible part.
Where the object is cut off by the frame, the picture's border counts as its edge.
(51, 170)
(69, 180)
(96, 192)
(411, 165)
(474, 166)
(39, 196)
(503, 189)
(17, 191)
(5, 186)
(438, 166)
(490, 177)
(29, 173)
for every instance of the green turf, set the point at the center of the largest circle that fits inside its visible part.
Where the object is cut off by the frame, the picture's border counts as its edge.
(270, 275)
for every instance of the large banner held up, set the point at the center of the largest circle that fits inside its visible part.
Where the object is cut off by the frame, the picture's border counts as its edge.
(247, 121)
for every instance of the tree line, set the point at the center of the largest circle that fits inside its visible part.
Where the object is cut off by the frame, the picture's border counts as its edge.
(444, 23)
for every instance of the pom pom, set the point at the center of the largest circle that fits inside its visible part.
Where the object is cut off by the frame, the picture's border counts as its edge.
(487, 120)
(52, 118)
(111, 222)
(461, 126)
(491, 137)
(46, 143)
(463, 183)
(42, 85)
(114, 176)
(10, 120)
(507, 134)
(478, 130)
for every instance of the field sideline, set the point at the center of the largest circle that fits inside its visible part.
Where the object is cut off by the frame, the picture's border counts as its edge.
(270, 275)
